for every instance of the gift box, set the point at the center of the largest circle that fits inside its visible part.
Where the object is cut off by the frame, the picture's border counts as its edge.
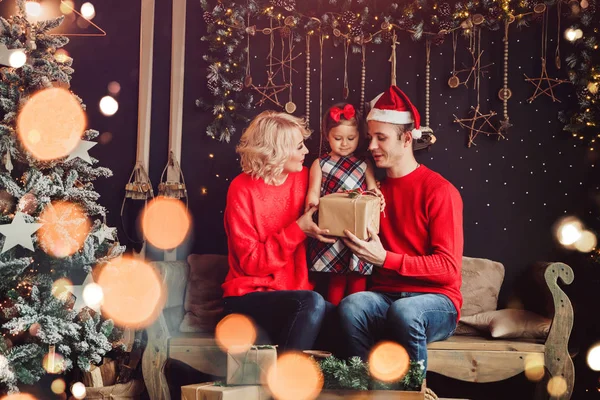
(210, 391)
(250, 367)
(354, 211)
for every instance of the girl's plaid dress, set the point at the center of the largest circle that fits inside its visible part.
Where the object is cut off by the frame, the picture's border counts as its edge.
(339, 174)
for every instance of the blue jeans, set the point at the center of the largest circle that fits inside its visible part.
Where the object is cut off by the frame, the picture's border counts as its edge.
(411, 319)
(289, 318)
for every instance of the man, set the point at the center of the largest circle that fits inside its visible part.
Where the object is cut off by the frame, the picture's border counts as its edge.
(415, 294)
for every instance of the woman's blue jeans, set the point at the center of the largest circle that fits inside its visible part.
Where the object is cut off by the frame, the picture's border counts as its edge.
(289, 318)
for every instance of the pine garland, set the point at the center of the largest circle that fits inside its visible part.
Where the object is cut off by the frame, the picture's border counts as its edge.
(227, 30)
(354, 375)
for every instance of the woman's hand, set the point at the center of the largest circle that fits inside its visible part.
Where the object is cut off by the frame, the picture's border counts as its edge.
(308, 226)
(312, 200)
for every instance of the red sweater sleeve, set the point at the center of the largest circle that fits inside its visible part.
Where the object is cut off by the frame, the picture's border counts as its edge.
(442, 266)
(257, 257)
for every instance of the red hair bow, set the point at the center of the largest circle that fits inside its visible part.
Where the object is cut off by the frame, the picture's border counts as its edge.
(348, 112)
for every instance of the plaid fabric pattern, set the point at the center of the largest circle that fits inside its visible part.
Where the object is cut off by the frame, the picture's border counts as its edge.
(339, 174)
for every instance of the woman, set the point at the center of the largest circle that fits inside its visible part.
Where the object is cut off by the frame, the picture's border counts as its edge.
(268, 275)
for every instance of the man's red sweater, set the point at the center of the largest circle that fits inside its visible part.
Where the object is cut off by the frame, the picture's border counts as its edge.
(266, 245)
(423, 232)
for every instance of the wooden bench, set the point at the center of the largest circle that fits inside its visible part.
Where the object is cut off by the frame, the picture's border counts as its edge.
(467, 358)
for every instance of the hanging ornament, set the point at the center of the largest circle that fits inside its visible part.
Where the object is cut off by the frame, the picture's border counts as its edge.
(81, 151)
(592, 87)
(348, 18)
(363, 79)
(8, 162)
(307, 84)
(251, 30)
(584, 4)
(446, 25)
(7, 202)
(288, 5)
(105, 232)
(445, 10)
(290, 106)
(28, 203)
(505, 93)
(208, 17)
(346, 90)
(427, 138)
(356, 30)
(285, 32)
(18, 233)
(454, 81)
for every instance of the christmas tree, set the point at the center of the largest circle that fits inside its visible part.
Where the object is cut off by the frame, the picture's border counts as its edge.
(51, 226)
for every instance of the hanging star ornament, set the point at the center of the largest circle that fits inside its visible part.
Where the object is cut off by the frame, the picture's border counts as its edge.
(81, 151)
(485, 127)
(18, 232)
(105, 232)
(537, 82)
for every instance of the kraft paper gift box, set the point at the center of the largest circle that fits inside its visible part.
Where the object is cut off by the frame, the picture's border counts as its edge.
(250, 367)
(352, 211)
(208, 391)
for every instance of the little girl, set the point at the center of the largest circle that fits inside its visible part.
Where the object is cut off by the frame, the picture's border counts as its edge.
(338, 171)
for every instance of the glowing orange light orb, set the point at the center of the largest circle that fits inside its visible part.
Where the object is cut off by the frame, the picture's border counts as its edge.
(166, 222)
(51, 123)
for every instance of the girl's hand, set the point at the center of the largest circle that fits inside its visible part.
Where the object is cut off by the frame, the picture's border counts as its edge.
(311, 201)
(381, 199)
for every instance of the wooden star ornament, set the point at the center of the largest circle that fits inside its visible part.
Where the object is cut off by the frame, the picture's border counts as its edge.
(537, 82)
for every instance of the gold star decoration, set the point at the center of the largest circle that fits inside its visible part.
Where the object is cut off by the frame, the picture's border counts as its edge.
(484, 128)
(537, 82)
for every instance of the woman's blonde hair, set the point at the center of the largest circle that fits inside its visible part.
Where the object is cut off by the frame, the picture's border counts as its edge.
(268, 142)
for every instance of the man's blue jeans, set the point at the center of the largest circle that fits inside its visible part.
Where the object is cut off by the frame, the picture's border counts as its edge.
(411, 319)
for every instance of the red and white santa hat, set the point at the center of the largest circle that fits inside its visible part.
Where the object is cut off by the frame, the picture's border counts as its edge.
(394, 107)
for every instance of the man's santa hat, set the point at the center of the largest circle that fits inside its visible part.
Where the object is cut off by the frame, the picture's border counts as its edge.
(394, 107)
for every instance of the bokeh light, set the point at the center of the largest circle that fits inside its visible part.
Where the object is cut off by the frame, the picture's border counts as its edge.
(108, 106)
(568, 230)
(66, 7)
(51, 123)
(61, 55)
(88, 11)
(64, 230)
(388, 362)
(18, 396)
(33, 8)
(105, 137)
(93, 295)
(58, 386)
(53, 363)
(557, 386)
(235, 333)
(587, 242)
(165, 222)
(17, 59)
(61, 288)
(134, 294)
(534, 367)
(78, 390)
(295, 376)
(114, 88)
(570, 34)
(593, 357)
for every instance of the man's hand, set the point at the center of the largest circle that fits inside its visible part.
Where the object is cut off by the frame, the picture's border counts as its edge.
(308, 226)
(371, 251)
